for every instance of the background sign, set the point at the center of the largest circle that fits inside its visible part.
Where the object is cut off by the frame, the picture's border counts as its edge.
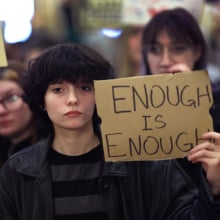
(140, 11)
(3, 60)
(116, 13)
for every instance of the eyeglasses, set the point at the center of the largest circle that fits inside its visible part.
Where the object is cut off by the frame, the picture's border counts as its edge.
(12, 102)
(175, 49)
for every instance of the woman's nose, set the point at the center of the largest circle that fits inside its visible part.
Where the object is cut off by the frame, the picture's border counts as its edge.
(72, 98)
(166, 57)
(2, 108)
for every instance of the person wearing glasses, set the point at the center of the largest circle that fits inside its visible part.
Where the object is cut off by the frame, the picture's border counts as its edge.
(173, 42)
(17, 126)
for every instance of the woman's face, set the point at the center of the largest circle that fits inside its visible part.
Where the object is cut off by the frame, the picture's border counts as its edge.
(70, 106)
(15, 115)
(167, 56)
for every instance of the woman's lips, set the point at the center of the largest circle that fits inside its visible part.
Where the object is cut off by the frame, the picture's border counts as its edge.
(4, 123)
(73, 113)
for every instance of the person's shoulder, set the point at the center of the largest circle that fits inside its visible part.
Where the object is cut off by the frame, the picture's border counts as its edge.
(30, 149)
(28, 152)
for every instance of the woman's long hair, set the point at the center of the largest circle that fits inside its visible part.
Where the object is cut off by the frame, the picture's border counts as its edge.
(180, 26)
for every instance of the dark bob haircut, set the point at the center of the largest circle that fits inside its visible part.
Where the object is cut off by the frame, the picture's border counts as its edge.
(181, 27)
(63, 62)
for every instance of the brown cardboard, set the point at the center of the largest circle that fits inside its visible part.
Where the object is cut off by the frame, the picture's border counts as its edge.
(3, 60)
(142, 118)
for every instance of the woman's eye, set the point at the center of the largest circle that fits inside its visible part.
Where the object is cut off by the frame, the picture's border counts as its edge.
(179, 49)
(86, 87)
(154, 49)
(57, 90)
(12, 98)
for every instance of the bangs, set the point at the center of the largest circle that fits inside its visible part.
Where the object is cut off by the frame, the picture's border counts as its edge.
(177, 36)
(178, 29)
(72, 71)
(172, 30)
(74, 75)
(74, 65)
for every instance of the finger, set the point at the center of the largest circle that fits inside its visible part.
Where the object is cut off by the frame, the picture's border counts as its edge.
(205, 145)
(212, 135)
(203, 154)
(179, 68)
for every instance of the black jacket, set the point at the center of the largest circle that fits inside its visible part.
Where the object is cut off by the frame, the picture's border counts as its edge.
(148, 190)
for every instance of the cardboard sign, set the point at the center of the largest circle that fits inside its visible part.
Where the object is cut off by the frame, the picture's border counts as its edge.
(3, 60)
(153, 117)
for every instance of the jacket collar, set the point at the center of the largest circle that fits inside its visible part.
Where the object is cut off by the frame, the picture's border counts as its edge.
(34, 161)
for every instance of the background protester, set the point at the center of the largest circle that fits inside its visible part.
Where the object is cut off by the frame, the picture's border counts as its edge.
(173, 42)
(18, 128)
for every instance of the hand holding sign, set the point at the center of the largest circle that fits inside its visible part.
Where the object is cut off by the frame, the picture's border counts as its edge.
(208, 153)
(153, 117)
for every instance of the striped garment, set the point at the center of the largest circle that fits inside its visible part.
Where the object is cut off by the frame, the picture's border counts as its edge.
(75, 184)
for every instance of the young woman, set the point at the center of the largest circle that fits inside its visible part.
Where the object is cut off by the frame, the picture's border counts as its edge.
(17, 126)
(173, 42)
(65, 176)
